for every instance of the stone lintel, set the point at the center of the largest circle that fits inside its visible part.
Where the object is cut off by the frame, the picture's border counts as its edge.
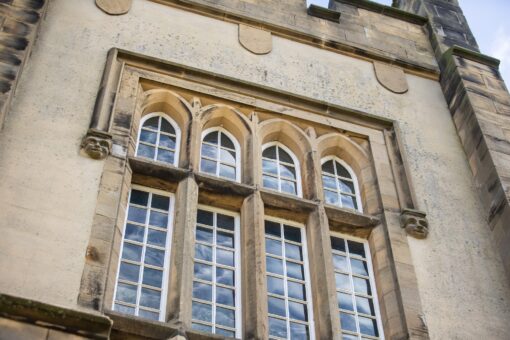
(323, 13)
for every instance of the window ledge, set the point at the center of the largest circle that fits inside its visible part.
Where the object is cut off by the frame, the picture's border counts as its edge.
(287, 206)
(350, 220)
(223, 186)
(156, 169)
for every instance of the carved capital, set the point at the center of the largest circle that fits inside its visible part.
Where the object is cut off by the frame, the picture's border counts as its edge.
(415, 223)
(97, 144)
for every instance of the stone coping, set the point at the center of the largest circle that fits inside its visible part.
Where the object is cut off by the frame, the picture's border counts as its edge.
(471, 55)
(387, 10)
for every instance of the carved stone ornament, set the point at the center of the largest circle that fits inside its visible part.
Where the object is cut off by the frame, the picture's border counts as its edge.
(97, 144)
(255, 40)
(415, 223)
(114, 7)
(391, 78)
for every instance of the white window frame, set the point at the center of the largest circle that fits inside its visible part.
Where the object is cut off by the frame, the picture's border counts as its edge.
(237, 148)
(168, 250)
(165, 116)
(371, 279)
(354, 179)
(299, 192)
(237, 267)
(308, 287)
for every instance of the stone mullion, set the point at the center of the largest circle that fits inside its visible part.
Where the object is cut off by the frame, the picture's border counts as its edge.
(182, 252)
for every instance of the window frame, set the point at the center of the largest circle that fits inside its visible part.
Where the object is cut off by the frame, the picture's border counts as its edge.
(176, 127)
(165, 289)
(306, 265)
(237, 148)
(353, 177)
(371, 279)
(237, 266)
(297, 167)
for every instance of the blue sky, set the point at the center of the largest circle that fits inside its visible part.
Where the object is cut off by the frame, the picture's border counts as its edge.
(489, 21)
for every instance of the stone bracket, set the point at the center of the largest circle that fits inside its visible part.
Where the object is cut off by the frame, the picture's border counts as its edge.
(255, 40)
(97, 144)
(415, 223)
(323, 13)
(114, 7)
(391, 78)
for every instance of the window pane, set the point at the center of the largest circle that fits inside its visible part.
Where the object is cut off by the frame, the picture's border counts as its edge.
(270, 182)
(293, 251)
(137, 214)
(124, 309)
(126, 293)
(348, 202)
(129, 272)
(160, 202)
(284, 156)
(225, 239)
(225, 296)
(165, 156)
(365, 305)
(359, 267)
(201, 311)
(269, 167)
(275, 285)
(203, 271)
(202, 328)
(349, 337)
(212, 137)
(329, 182)
(273, 247)
(276, 306)
(292, 233)
(157, 238)
(202, 291)
(134, 232)
(298, 331)
(298, 311)
(208, 166)
(270, 152)
(225, 276)
(342, 282)
(272, 228)
(209, 151)
(287, 171)
(274, 265)
(167, 127)
(224, 332)
(225, 222)
(348, 322)
(289, 187)
(203, 252)
(346, 186)
(205, 217)
(338, 243)
(225, 317)
(340, 263)
(167, 141)
(228, 156)
(227, 171)
(342, 171)
(277, 328)
(225, 257)
(151, 123)
(361, 286)
(152, 277)
(154, 257)
(331, 197)
(132, 252)
(139, 197)
(204, 235)
(368, 326)
(328, 167)
(158, 219)
(356, 248)
(226, 142)
(345, 301)
(148, 315)
(296, 290)
(295, 270)
(150, 298)
(146, 151)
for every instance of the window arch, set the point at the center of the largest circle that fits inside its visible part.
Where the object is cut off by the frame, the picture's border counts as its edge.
(340, 184)
(159, 139)
(280, 169)
(220, 154)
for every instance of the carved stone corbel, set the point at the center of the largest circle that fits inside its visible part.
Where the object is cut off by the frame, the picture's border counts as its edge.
(97, 144)
(415, 223)
(114, 7)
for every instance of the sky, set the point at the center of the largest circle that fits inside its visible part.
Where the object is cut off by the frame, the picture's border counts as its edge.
(489, 23)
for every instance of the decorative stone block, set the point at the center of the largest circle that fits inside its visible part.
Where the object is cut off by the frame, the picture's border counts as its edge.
(391, 78)
(255, 40)
(97, 144)
(415, 223)
(114, 7)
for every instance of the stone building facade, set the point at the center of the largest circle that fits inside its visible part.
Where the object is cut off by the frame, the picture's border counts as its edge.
(201, 169)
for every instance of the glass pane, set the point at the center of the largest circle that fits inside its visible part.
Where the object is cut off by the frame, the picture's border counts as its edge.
(201, 311)
(160, 202)
(225, 222)
(289, 187)
(202, 291)
(205, 217)
(124, 309)
(274, 265)
(345, 301)
(365, 305)
(292, 233)
(225, 276)
(134, 232)
(203, 271)
(212, 137)
(273, 247)
(146, 151)
(346, 186)
(331, 197)
(340, 263)
(272, 228)
(338, 243)
(129, 272)
(293, 251)
(137, 214)
(167, 141)
(356, 248)
(275, 285)
(166, 156)
(132, 252)
(349, 337)
(342, 171)
(225, 296)
(348, 322)
(208, 166)
(225, 239)
(348, 202)
(209, 151)
(342, 282)
(368, 326)
(151, 123)
(287, 171)
(284, 156)
(139, 197)
(276, 306)
(328, 167)
(167, 127)
(296, 290)
(269, 167)
(295, 270)
(225, 332)
(227, 171)
(361, 286)
(157, 238)
(154, 257)
(227, 156)
(270, 152)
(359, 267)
(270, 182)
(148, 315)
(298, 331)
(204, 235)
(150, 298)
(126, 293)
(329, 182)
(277, 328)
(298, 311)
(226, 142)
(158, 219)
(152, 277)
(225, 257)
(203, 252)
(225, 317)
(202, 328)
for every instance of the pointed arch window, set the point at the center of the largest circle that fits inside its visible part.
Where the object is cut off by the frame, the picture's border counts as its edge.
(159, 139)
(340, 184)
(220, 154)
(280, 169)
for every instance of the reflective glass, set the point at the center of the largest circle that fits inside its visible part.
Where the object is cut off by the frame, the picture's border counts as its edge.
(340, 263)
(165, 156)
(208, 166)
(365, 305)
(139, 197)
(126, 293)
(345, 301)
(148, 315)
(328, 167)
(203, 271)
(224, 332)
(276, 306)
(277, 328)
(209, 151)
(151, 123)
(205, 217)
(329, 182)
(150, 298)
(342, 282)
(270, 182)
(274, 265)
(129, 272)
(298, 311)
(156, 237)
(146, 151)
(167, 127)
(148, 136)
(298, 331)
(124, 309)
(227, 171)
(273, 247)
(225, 296)
(154, 257)
(202, 291)
(295, 270)
(152, 277)
(225, 222)
(226, 142)
(225, 239)
(228, 156)
(160, 202)
(342, 171)
(284, 156)
(225, 317)
(296, 290)
(331, 197)
(167, 141)
(348, 322)
(225, 257)
(292, 233)
(132, 252)
(137, 214)
(158, 219)
(288, 187)
(269, 152)
(359, 267)
(361, 286)
(203, 252)
(212, 137)
(269, 167)
(348, 202)
(356, 248)
(338, 244)
(287, 171)
(293, 251)
(134, 233)
(272, 228)
(346, 186)
(204, 235)
(201, 311)
(368, 326)
(202, 328)
(225, 276)
(275, 285)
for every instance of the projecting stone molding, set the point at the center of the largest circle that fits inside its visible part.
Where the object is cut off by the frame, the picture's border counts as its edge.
(114, 7)
(255, 40)
(391, 78)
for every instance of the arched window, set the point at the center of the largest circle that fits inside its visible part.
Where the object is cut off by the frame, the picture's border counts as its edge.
(220, 154)
(159, 139)
(280, 169)
(340, 184)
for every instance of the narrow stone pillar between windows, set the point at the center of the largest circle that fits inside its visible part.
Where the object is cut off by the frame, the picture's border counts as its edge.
(193, 143)
(253, 269)
(181, 260)
(327, 322)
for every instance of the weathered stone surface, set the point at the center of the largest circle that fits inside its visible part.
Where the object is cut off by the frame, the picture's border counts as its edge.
(114, 7)
(255, 40)
(392, 78)
(415, 223)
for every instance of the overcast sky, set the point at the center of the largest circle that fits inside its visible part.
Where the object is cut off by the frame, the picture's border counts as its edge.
(490, 23)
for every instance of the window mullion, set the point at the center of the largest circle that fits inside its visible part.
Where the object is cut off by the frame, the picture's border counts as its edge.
(213, 298)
